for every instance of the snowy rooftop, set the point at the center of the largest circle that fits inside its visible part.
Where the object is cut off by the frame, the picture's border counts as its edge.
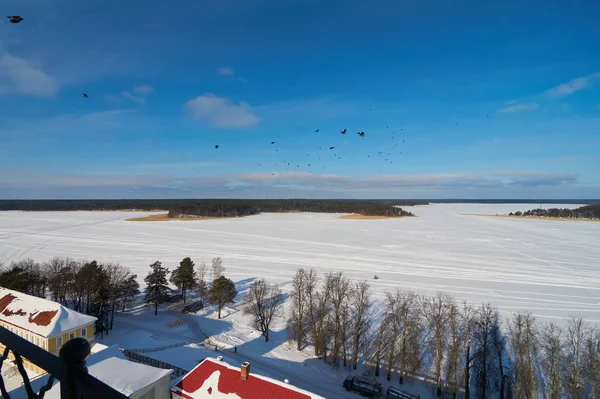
(110, 366)
(219, 379)
(38, 315)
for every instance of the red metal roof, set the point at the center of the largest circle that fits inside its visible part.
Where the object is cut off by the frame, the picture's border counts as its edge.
(229, 381)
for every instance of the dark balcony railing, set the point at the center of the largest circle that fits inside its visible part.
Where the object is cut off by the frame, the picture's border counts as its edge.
(69, 368)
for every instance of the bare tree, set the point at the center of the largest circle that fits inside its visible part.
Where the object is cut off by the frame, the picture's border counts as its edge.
(360, 302)
(392, 319)
(201, 285)
(591, 360)
(551, 346)
(410, 341)
(456, 342)
(523, 339)
(435, 311)
(217, 268)
(297, 322)
(501, 366)
(377, 343)
(483, 351)
(468, 315)
(339, 296)
(116, 276)
(573, 357)
(264, 302)
(56, 282)
(318, 312)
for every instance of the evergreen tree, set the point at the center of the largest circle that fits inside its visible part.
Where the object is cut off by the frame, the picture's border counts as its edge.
(221, 292)
(184, 276)
(157, 289)
(129, 289)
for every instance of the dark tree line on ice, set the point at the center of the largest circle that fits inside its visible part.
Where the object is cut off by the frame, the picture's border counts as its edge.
(461, 348)
(88, 287)
(584, 212)
(234, 208)
(168, 204)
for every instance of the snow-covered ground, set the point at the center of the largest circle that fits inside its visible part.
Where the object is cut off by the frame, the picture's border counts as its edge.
(551, 268)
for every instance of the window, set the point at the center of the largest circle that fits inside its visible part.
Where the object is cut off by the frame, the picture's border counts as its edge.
(71, 335)
(83, 332)
(37, 341)
(58, 342)
(27, 336)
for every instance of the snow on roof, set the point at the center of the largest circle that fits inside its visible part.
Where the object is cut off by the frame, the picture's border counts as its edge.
(39, 315)
(110, 366)
(221, 380)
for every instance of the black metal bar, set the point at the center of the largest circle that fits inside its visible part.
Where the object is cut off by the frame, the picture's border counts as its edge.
(2, 387)
(23, 373)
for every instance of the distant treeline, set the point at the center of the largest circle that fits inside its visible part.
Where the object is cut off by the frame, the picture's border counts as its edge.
(584, 212)
(232, 208)
(218, 207)
(168, 204)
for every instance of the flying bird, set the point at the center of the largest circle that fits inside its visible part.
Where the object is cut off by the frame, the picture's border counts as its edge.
(331, 148)
(85, 95)
(343, 131)
(317, 131)
(15, 19)
(217, 146)
(361, 134)
(272, 142)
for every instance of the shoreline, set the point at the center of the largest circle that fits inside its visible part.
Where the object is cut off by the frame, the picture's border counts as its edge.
(163, 217)
(356, 216)
(534, 217)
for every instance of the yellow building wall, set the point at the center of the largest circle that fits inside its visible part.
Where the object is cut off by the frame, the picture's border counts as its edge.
(52, 347)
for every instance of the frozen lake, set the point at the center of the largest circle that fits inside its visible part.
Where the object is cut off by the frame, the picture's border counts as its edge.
(551, 268)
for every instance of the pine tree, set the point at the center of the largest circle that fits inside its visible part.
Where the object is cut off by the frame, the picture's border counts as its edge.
(222, 291)
(129, 289)
(157, 289)
(184, 276)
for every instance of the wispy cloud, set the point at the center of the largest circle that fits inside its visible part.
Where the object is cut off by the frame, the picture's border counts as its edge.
(18, 75)
(520, 108)
(256, 184)
(226, 71)
(138, 93)
(64, 124)
(572, 86)
(221, 111)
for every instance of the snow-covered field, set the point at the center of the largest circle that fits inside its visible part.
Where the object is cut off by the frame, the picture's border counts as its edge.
(551, 268)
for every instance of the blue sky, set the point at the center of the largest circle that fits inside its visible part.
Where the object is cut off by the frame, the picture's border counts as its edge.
(463, 99)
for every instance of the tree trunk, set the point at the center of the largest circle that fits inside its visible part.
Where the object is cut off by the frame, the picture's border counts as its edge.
(112, 314)
(266, 334)
(183, 292)
(155, 308)
(467, 389)
(219, 311)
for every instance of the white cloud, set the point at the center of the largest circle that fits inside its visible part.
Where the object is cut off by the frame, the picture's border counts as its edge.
(143, 90)
(520, 108)
(129, 183)
(572, 86)
(113, 99)
(138, 93)
(221, 112)
(226, 71)
(20, 76)
(128, 95)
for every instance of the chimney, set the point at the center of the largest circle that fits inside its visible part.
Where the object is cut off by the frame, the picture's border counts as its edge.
(245, 370)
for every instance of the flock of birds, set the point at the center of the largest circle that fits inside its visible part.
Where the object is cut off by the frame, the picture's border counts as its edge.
(15, 19)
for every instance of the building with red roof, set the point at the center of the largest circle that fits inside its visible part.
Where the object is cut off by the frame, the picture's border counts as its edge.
(214, 379)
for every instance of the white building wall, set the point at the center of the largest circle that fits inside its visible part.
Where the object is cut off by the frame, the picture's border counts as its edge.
(161, 390)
